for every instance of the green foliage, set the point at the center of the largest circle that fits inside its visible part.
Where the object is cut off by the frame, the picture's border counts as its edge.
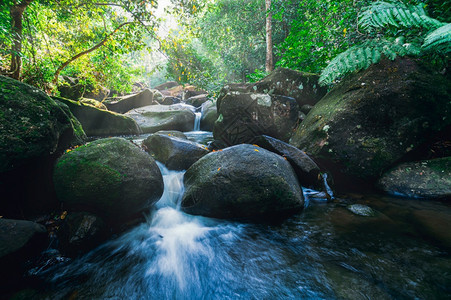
(318, 31)
(257, 75)
(384, 17)
(382, 14)
(439, 40)
(363, 55)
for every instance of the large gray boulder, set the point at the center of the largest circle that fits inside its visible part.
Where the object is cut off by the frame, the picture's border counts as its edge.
(197, 100)
(99, 122)
(163, 117)
(126, 103)
(301, 86)
(209, 116)
(244, 116)
(109, 177)
(243, 181)
(175, 153)
(372, 119)
(424, 179)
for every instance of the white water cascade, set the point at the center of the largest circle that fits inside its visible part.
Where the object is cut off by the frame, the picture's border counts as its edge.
(197, 121)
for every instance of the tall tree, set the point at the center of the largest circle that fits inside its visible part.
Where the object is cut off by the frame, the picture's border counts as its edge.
(269, 65)
(17, 10)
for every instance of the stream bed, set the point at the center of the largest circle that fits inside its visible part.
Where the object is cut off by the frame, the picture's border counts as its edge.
(324, 252)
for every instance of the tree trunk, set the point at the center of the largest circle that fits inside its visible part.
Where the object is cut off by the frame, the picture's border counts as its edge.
(98, 45)
(269, 65)
(16, 12)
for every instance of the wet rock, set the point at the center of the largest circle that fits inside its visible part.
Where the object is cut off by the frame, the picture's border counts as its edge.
(373, 118)
(98, 122)
(306, 169)
(301, 86)
(154, 118)
(243, 181)
(110, 177)
(424, 179)
(173, 152)
(20, 241)
(191, 91)
(197, 101)
(361, 210)
(209, 116)
(173, 133)
(82, 232)
(244, 116)
(126, 103)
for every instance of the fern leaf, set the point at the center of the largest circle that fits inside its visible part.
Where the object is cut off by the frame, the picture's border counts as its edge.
(362, 56)
(439, 39)
(380, 14)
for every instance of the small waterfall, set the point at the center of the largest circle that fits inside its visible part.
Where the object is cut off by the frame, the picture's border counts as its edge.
(327, 187)
(197, 121)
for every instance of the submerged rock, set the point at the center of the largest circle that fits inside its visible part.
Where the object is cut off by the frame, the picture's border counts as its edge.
(109, 177)
(424, 179)
(154, 118)
(243, 181)
(374, 118)
(99, 122)
(175, 153)
(361, 210)
(126, 103)
(244, 116)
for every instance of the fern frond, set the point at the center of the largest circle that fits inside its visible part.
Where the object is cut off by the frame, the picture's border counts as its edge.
(362, 56)
(380, 14)
(439, 40)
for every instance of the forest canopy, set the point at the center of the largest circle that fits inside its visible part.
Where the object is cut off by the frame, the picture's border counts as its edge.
(205, 43)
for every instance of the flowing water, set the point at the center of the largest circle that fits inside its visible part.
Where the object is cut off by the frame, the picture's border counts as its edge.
(325, 252)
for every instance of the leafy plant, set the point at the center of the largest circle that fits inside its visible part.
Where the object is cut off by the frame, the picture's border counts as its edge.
(423, 36)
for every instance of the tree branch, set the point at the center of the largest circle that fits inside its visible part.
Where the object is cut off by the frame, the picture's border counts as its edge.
(98, 45)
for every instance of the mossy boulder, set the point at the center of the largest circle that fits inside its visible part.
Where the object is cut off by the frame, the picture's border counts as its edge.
(372, 119)
(209, 116)
(175, 153)
(126, 103)
(154, 118)
(424, 179)
(99, 122)
(32, 125)
(244, 116)
(239, 182)
(109, 177)
(301, 86)
(93, 103)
